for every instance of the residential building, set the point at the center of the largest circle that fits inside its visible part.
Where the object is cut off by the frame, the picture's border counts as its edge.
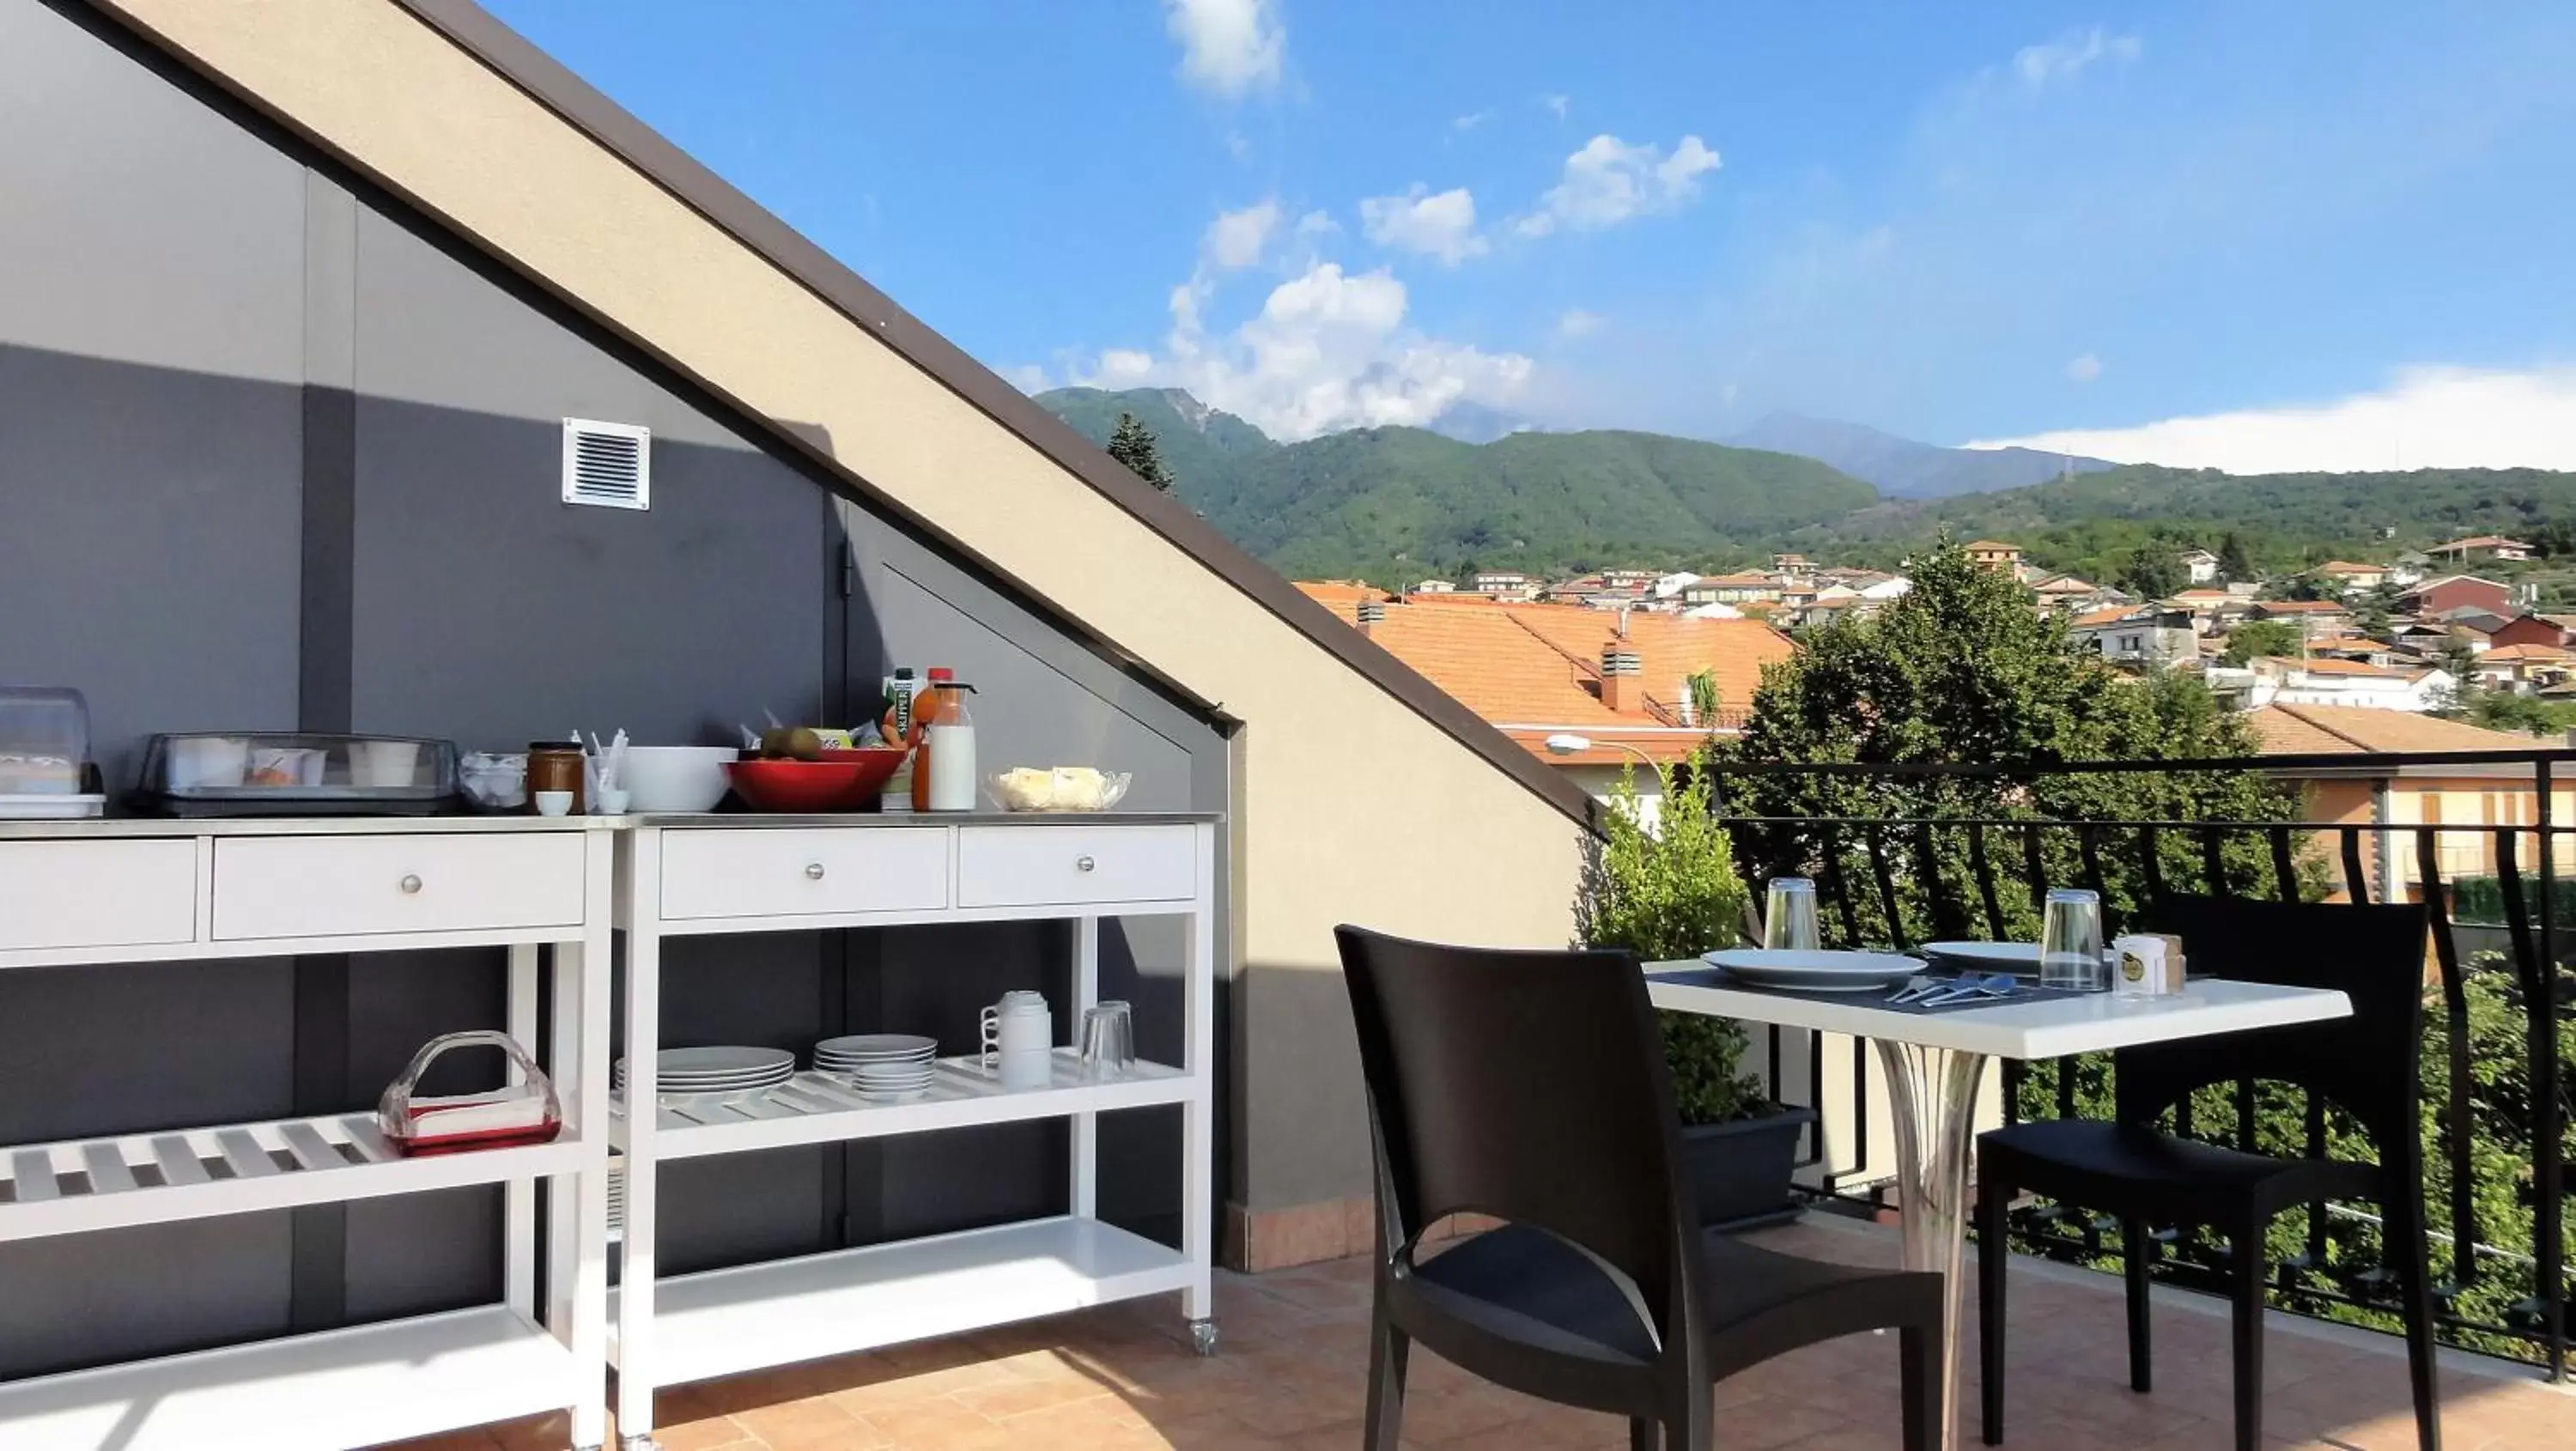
(1996, 555)
(1734, 589)
(2483, 546)
(1892, 587)
(2314, 617)
(2551, 630)
(1435, 587)
(2348, 578)
(2409, 568)
(2393, 801)
(2355, 683)
(1503, 584)
(1797, 564)
(1634, 579)
(2213, 611)
(2150, 637)
(2200, 565)
(2523, 669)
(2456, 592)
(2066, 591)
(1541, 670)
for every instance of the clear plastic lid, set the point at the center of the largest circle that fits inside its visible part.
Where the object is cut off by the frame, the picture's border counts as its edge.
(44, 740)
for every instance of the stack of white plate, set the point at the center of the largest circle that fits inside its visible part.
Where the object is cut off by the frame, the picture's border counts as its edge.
(705, 1072)
(889, 1067)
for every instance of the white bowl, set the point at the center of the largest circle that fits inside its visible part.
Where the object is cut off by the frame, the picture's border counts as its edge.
(675, 778)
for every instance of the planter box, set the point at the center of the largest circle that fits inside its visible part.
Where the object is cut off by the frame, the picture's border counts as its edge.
(1740, 1171)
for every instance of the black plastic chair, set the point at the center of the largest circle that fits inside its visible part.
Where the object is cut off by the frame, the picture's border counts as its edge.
(1530, 1087)
(2366, 1064)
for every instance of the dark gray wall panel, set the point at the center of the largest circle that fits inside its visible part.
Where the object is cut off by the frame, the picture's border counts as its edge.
(142, 1048)
(123, 1294)
(489, 612)
(148, 544)
(138, 226)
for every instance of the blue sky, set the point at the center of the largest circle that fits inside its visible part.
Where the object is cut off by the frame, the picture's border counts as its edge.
(2325, 234)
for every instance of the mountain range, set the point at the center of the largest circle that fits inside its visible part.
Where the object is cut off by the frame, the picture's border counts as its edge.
(1901, 468)
(1395, 505)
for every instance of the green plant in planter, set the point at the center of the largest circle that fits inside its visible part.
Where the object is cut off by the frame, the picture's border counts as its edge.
(1673, 893)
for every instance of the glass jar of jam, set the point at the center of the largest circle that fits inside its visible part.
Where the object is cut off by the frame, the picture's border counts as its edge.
(556, 766)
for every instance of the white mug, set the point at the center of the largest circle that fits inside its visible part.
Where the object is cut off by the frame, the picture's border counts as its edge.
(1019, 1037)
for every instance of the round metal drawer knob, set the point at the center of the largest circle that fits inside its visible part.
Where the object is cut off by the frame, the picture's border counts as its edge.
(411, 886)
(1082, 864)
(813, 871)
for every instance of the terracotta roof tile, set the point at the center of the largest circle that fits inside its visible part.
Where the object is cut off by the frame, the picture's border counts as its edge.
(1539, 665)
(2303, 607)
(2306, 730)
(2525, 652)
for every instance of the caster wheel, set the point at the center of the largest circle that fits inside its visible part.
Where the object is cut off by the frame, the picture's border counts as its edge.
(1203, 1336)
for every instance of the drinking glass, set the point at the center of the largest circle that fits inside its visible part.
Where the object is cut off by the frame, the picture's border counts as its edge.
(2070, 941)
(1108, 1040)
(1789, 917)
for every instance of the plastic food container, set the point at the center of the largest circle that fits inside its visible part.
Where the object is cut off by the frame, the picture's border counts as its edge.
(44, 753)
(1057, 788)
(290, 773)
(524, 1112)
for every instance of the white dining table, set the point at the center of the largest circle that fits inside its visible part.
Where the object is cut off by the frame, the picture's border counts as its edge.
(1936, 1061)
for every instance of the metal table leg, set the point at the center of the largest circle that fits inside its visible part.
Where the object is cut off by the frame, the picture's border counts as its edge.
(1935, 1094)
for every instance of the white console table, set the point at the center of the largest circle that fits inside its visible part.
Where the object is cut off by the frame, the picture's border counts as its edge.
(717, 874)
(96, 892)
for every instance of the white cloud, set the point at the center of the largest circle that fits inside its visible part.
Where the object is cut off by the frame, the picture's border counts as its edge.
(1610, 181)
(2069, 55)
(1556, 102)
(1441, 225)
(2430, 417)
(1316, 225)
(2084, 369)
(1027, 377)
(1227, 46)
(1328, 350)
(1574, 322)
(1236, 240)
(1471, 121)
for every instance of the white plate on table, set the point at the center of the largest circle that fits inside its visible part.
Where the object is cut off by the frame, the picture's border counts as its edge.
(2018, 958)
(1832, 972)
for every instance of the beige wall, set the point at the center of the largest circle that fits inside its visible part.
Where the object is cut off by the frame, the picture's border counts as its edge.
(1352, 807)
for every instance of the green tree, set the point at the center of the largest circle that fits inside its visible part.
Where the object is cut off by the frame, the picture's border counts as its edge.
(1962, 670)
(2257, 638)
(2233, 562)
(2154, 570)
(1132, 444)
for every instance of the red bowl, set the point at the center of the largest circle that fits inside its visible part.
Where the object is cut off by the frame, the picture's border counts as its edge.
(841, 781)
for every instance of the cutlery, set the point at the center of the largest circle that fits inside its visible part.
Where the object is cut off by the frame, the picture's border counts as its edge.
(1915, 987)
(1995, 985)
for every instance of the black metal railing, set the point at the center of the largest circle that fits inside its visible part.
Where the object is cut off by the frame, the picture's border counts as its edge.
(1904, 854)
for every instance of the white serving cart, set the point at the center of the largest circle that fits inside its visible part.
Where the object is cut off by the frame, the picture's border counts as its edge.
(723, 874)
(99, 892)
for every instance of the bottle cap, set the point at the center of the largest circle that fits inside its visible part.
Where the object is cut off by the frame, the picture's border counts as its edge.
(942, 673)
(903, 672)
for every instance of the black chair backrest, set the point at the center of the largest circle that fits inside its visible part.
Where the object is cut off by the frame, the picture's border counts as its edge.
(1525, 1085)
(2368, 1063)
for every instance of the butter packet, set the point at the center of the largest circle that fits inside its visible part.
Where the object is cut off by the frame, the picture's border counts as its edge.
(2147, 965)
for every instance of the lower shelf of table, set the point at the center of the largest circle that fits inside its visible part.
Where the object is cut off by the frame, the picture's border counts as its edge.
(115, 1183)
(723, 1322)
(325, 1391)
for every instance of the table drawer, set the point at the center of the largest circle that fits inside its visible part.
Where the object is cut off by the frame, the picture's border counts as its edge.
(798, 873)
(56, 894)
(349, 886)
(1047, 866)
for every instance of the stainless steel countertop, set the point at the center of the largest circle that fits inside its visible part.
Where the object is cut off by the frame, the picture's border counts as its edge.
(147, 826)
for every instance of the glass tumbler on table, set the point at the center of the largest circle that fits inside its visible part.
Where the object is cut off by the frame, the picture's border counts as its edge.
(2070, 941)
(1108, 1040)
(1789, 916)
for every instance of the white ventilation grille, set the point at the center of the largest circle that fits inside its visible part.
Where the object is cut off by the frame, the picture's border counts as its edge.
(609, 465)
